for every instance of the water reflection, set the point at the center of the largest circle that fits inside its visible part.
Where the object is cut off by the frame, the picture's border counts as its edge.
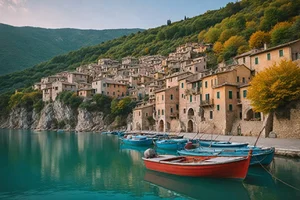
(199, 188)
(89, 165)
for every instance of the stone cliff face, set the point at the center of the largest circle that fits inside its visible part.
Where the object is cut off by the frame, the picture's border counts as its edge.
(54, 116)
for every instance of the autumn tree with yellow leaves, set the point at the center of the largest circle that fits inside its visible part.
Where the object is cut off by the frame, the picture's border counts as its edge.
(275, 87)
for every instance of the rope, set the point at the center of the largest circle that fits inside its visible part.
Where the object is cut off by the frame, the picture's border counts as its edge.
(278, 178)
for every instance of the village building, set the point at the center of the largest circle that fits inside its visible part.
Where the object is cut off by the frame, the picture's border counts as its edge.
(86, 92)
(109, 87)
(167, 109)
(58, 87)
(143, 117)
(75, 77)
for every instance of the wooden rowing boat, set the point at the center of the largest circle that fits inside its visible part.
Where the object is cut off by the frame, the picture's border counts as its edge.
(219, 167)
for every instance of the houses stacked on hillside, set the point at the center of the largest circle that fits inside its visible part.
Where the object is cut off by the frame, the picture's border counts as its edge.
(177, 93)
(193, 98)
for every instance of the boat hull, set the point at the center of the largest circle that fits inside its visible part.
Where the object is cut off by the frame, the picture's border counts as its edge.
(233, 170)
(223, 145)
(171, 144)
(146, 142)
(263, 157)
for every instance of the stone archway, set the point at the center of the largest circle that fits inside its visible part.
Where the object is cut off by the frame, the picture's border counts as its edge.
(190, 126)
(191, 112)
(161, 126)
(138, 126)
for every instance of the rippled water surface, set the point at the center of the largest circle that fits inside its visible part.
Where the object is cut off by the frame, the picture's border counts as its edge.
(50, 165)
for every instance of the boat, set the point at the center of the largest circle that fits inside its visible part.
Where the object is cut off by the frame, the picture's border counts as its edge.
(60, 130)
(221, 144)
(137, 140)
(214, 167)
(171, 144)
(262, 156)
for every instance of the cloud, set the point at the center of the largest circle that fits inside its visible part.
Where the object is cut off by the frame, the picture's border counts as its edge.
(13, 5)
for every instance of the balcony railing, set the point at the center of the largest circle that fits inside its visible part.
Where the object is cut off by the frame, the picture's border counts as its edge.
(208, 102)
(196, 90)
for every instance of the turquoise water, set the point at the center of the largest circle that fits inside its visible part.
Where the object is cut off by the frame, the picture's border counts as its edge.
(50, 165)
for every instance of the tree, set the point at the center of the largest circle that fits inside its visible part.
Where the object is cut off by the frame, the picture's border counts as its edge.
(281, 33)
(258, 39)
(169, 22)
(271, 16)
(226, 34)
(275, 87)
(212, 35)
(218, 47)
(232, 45)
(201, 36)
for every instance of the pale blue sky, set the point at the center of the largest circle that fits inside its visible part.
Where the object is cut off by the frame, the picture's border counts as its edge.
(101, 14)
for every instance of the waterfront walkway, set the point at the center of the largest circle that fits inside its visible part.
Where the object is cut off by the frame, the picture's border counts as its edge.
(286, 147)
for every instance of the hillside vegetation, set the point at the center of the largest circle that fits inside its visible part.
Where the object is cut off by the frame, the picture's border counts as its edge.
(22, 47)
(229, 29)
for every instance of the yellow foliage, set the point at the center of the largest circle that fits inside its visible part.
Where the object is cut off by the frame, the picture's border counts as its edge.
(201, 35)
(258, 39)
(235, 41)
(281, 25)
(218, 47)
(275, 87)
(251, 24)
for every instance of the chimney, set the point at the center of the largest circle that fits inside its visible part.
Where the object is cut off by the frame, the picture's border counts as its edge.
(265, 46)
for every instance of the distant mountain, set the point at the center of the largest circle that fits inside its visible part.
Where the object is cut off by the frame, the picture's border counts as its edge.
(22, 47)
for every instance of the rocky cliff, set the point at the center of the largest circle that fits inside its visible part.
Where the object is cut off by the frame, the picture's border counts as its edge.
(56, 115)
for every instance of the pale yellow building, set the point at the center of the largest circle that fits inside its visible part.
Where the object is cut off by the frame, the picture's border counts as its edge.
(143, 117)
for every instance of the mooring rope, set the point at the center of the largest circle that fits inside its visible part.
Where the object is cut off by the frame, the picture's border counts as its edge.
(287, 184)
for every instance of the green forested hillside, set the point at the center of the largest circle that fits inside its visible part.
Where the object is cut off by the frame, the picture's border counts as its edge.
(229, 29)
(23, 47)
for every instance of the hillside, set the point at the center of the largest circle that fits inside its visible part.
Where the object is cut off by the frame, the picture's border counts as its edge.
(22, 47)
(228, 28)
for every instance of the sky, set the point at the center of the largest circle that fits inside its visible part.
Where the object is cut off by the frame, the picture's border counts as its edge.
(101, 14)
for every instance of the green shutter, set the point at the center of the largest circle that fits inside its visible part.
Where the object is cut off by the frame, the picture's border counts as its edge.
(230, 94)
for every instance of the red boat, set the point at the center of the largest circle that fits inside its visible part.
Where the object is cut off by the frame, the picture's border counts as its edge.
(216, 167)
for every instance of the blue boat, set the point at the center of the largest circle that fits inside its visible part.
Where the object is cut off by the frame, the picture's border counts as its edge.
(262, 156)
(138, 140)
(171, 144)
(221, 144)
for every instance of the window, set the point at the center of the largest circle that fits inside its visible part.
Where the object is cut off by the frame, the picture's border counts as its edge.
(211, 114)
(182, 85)
(114, 93)
(280, 53)
(244, 80)
(244, 60)
(107, 92)
(146, 114)
(205, 84)
(256, 60)
(207, 97)
(196, 68)
(244, 93)
(268, 56)
(139, 113)
(177, 107)
(238, 95)
(191, 98)
(297, 56)
(171, 110)
(162, 112)
(218, 107)
(230, 94)
(158, 112)
(218, 95)
(184, 111)
(182, 96)
(162, 97)
(171, 97)
(230, 107)
(237, 79)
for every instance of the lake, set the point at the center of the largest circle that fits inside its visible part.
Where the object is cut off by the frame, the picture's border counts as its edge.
(51, 165)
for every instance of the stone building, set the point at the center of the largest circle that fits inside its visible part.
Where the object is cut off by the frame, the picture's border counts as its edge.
(109, 87)
(143, 117)
(167, 109)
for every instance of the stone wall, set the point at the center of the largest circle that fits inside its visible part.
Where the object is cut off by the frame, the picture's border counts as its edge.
(288, 128)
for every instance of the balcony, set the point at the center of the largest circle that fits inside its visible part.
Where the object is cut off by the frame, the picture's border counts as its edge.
(208, 102)
(174, 115)
(196, 90)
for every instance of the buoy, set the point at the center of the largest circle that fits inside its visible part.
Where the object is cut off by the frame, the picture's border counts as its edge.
(150, 153)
